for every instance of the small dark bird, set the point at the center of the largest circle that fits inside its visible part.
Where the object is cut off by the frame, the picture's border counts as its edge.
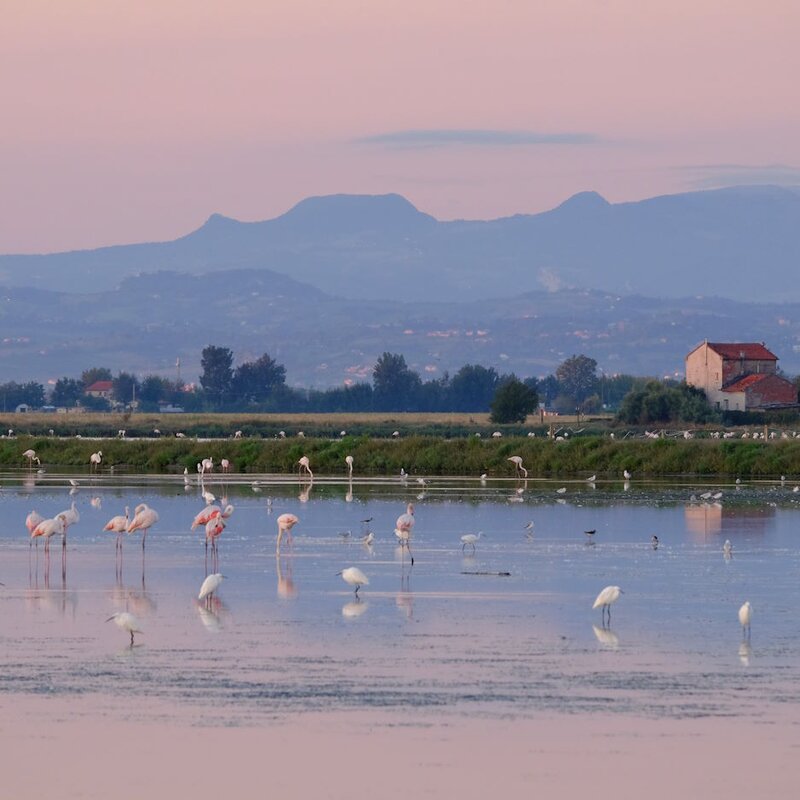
(654, 542)
(591, 532)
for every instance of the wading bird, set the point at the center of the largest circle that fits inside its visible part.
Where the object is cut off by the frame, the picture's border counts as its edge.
(606, 598)
(745, 615)
(470, 539)
(31, 456)
(349, 461)
(95, 459)
(118, 525)
(305, 464)
(47, 528)
(517, 462)
(355, 577)
(285, 524)
(127, 622)
(209, 586)
(144, 518)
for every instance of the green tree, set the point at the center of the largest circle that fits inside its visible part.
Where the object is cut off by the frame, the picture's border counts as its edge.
(664, 402)
(395, 385)
(14, 394)
(255, 381)
(67, 392)
(90, 376)
(577, 377)
(217, 376)
(473, 387)
(512, 402)
(125, 388)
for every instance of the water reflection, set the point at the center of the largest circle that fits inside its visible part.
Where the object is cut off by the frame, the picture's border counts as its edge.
(287, 590)
(709, 519)
(745, 653)
(211, 614)
(606, 637)
(354, 608)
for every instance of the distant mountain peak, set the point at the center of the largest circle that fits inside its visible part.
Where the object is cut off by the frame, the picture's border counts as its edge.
(347, 212)
(584, 201)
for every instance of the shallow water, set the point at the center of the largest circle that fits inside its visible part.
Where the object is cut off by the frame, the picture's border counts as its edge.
(286, 635)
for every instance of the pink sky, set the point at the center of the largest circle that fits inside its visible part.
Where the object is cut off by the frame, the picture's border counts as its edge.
(128, 122)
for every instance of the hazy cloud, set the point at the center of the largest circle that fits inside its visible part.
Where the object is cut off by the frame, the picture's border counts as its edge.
(422, 139)
(716, 176)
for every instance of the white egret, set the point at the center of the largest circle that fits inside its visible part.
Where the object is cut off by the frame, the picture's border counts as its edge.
(745, 615)
(210, 585)
(127, 622)
(470, 539)
(627, 475)
(354, 577)
(606, 598)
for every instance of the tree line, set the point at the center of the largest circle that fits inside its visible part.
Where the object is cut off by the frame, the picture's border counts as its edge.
(260, 385)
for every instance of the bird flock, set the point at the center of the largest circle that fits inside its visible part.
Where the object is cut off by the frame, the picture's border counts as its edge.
(213, 518)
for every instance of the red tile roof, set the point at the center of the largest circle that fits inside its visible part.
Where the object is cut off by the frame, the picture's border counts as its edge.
(100, 386)
(745, 383)
(752, 351)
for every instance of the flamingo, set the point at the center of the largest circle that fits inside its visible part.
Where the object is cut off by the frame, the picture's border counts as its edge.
(32, 520)
(207, 465)
(355, 577)
(31, 456)
(517, 462)
(209, 513)
(605, 599)
(118, 525)
(285, 524)
(144, 518)
(405, 522)
(304, 462)
(127, 622)
(48, 528)
(349, 461)
(95, 459)
(225, 464)
(214, 528)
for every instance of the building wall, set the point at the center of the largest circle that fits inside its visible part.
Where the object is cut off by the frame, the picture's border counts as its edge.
(736, 368)
(727, 401)
(704, 369)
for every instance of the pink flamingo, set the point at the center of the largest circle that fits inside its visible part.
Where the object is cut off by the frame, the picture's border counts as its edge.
(118, 525)
(285, 524)
(144, 518)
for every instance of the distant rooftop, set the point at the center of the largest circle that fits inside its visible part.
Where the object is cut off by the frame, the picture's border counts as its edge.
(752, 351)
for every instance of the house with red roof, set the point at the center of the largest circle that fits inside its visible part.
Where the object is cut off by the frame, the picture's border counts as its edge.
(102, 389)
(739, 376)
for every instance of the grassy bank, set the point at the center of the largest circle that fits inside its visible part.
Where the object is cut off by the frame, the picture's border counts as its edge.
(429, 455)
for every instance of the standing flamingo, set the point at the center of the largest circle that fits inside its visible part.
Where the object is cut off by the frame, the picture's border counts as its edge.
(517, 462)
(226, 465)
(95, 459)
(144, 518)
(31, 456)
(48, 528)
(305, 463)
(32, 520)
(405, 522)
(214, 528)
(118, 525)
(349, 461)
(285, 524)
